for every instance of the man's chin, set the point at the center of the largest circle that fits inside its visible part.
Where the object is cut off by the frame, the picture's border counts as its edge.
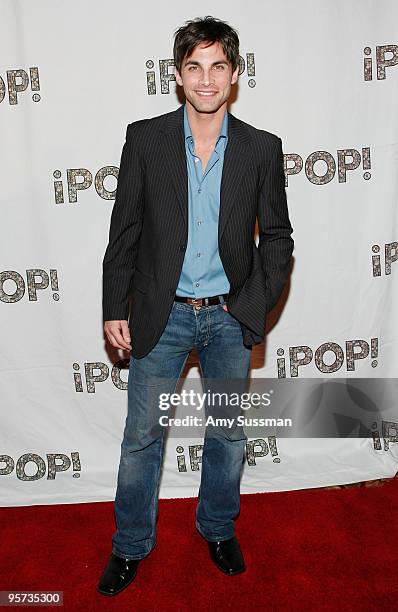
(203, 106)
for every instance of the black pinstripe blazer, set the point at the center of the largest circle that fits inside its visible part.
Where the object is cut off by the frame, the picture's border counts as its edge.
(149, 227)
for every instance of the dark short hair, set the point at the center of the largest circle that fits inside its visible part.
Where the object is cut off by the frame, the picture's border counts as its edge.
(207, 29)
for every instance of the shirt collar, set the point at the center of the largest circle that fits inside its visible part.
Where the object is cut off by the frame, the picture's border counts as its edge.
(224, 126)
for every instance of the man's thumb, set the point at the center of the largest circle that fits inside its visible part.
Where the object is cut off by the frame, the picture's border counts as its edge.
(125, 331)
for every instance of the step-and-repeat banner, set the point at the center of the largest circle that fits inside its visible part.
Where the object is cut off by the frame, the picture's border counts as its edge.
(323, 77)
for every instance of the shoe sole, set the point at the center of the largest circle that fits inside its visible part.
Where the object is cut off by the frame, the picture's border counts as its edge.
(231, 573)
(119, 591)
(224, 571)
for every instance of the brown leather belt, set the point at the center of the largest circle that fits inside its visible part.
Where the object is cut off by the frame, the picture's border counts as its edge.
(198, 302)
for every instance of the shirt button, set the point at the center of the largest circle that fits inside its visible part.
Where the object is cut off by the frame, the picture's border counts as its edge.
(198, 254)
(199, 191)
(199, 222)
(197, 284)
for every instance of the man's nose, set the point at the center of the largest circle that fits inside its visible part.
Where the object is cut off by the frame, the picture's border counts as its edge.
(205, 78)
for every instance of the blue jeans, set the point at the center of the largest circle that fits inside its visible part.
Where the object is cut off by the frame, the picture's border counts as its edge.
(217, 336)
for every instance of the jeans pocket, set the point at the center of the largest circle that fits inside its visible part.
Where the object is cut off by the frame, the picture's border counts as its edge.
(228, 318)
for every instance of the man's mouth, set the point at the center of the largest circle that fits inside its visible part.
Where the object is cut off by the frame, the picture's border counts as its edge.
(206, 94)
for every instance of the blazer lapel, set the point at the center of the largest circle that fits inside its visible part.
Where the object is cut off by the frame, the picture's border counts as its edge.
(174, 152)
(236, 159)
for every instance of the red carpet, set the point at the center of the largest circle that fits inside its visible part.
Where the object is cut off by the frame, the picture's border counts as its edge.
(313, 550)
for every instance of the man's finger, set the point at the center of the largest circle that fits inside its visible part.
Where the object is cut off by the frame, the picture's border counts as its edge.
(116, 339)
(126, 332)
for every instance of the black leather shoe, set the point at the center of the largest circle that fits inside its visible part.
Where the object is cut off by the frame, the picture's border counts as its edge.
(227, 555)
(118, 574)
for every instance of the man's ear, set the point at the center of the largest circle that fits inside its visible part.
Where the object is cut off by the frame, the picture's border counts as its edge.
(235, 75)
(178, 77)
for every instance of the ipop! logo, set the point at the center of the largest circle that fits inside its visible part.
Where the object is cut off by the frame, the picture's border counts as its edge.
(30, 462)
(389, 432)
(300, 356)
(98, 372)
(390, 255)
(382, 61)
(165, 77)
(81, 179)
(347, 161)
(17, 82)
(16, 285)
(255, 449)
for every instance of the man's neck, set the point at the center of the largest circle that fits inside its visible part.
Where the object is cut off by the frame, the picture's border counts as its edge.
(205, 127)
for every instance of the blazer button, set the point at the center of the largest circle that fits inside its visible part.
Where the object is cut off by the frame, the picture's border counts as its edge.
(182, 247)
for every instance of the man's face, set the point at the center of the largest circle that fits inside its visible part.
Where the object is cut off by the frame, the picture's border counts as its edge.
(206, 77)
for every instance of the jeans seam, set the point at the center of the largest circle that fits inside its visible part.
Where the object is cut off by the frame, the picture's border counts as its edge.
(216, 539)
(156, 493)
(129, 557)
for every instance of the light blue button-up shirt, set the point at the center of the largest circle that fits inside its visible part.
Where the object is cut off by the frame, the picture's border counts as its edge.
(203, 274)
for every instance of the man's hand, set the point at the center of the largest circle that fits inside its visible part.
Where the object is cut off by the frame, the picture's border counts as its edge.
(225, 307)
(118, 334)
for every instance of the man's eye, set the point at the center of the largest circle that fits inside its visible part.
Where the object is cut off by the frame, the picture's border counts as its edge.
(192, 68)
(220, 66)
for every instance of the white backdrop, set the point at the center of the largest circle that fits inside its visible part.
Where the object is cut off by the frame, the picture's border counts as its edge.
(322, 76)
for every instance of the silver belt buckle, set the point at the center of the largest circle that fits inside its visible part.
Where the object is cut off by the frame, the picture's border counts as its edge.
(195, 303)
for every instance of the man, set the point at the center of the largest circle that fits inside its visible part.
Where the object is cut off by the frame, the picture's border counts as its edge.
(191, 184)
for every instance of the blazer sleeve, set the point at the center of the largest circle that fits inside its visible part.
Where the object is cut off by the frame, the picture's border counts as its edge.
(275, 242)
(124, 233)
